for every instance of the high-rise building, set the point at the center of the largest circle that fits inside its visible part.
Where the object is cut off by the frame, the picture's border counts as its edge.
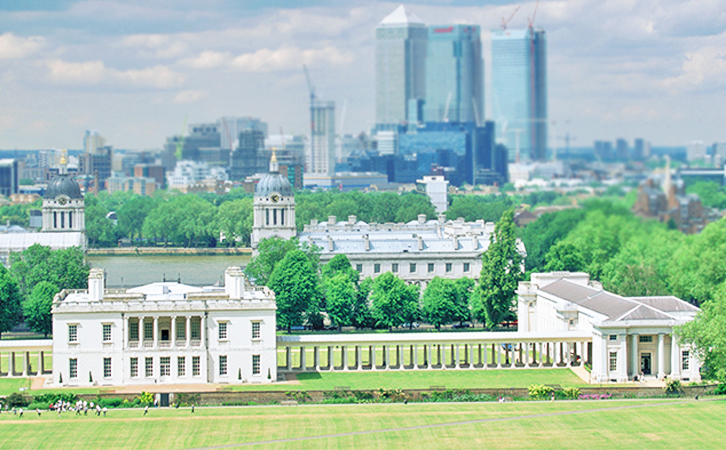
(320, 158)
(249, 157)
(454, 74)
(231, 127)
(400, 66)
(8, 177)
(519, 91)
(92, 140)
(622, 149)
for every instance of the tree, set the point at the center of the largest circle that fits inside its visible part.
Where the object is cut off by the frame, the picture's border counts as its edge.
(564, 256)
(99, 228)
(131, 215)
(234, 221)
(64, 268)
(37, 309)
(340, 264)
(707, 334)
(362, 316)
(340, 296)
(446, 301)
(10, 301)
(393, 302)
(269, 253)
(295, 283)
(501, 272)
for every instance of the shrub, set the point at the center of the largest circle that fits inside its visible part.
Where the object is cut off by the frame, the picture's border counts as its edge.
(540, 392)
(720, 389)
(113, 402)
(673, 387)
(570, 393)
(37, 405)
(184, 399)
(299, 396)
(390, 395)
(15, 400)
(146, 398)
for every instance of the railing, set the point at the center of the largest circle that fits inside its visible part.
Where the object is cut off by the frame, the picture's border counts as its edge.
(164, 344)
(148, 344)
(196, 343)
(133, 344)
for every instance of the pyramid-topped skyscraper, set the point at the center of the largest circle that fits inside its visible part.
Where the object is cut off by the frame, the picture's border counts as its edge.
(401, 40)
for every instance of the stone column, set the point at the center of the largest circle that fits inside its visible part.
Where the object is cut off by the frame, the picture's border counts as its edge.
(661, 356)
(568, 354)
(344, 357)
(331, 358)
(415, 356)
(635, 369)
(513, 360)
(358, 359)
(457, 363)
(427, 349)
(141, 333)
(173, 331)
(188, 330)
(372, 357)
(583, 355)
(11, 365)
(303, 362)
(387, 356)
(526, 354)
(540, 358)
(316, 358)
(499, 355)
(675, 359)
(26, 363)
(399, 356)
(471, 356)
(288, 358)
(203, 330)
(155, 332)
(623, 359)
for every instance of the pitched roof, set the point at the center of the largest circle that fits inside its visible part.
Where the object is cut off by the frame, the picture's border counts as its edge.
(401, 16)
(667, 303)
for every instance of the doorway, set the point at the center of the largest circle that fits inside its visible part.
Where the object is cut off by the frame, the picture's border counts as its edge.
(164, 335)
(164, 400)
(645, 363)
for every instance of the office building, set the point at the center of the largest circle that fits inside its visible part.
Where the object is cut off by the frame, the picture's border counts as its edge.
(622, 149)
(250, 156)
(454, 74)
(8, 177)
(400, 66)
(320, 158)
(231, 127)
(519, 91)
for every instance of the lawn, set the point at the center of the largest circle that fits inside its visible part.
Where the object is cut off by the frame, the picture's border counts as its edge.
(639, 424)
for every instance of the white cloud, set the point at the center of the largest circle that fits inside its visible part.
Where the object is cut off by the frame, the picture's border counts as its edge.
(96, 72)
(14, 47)
(155, 45)
(289, 57)
(189, 96)
(703, 68)
(207, 60)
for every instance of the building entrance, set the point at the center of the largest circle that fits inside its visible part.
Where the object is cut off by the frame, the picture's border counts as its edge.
(645, 363)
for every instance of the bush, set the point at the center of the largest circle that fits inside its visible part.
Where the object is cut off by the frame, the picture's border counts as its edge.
(146, 398)
(37, 405)
(720, 389)
(540, 392)
(16, 400)
(570, 393)
(673, 387)
(184, 399)
(113, 402)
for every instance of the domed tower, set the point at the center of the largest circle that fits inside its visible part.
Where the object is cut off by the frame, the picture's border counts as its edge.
(274, 206)
(63, 205)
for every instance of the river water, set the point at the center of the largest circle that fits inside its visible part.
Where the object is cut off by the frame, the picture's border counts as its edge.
(131, 271)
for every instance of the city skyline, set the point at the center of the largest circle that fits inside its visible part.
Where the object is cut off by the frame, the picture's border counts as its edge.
(133, 70)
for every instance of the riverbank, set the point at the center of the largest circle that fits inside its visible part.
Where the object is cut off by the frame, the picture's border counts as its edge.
(168, 251)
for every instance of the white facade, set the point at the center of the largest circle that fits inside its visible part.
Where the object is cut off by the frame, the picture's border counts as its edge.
(320, 159)
(631, 336)
(164, 333)
(437, 189)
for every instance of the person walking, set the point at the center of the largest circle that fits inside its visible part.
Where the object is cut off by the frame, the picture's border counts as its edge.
(192, 407)
(104, 411)
(146, 409)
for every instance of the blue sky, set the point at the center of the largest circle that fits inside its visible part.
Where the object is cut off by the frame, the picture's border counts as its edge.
(133, 69)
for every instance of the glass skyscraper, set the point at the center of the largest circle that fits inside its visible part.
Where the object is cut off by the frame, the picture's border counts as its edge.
(400, 66)
(519, 91)
(454, 74)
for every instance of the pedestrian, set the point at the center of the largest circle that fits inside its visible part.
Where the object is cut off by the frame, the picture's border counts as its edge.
(38, 410)
(146, 409)
(156, 403)
(21, 412)
(104, 411)
(553, 396)
(192, 407)
(98, 410)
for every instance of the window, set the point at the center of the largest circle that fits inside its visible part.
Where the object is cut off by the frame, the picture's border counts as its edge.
(645, 338)
(376, 268)
(448, 267)
(106, 332)
(72, 333)
(181, 329)
(133, 331)
(73, 368)
(195, 366)
(613, 337)
(165, 366)
(222, 330)
(106, 367)
(613, 361)
(394, 268)
(196, 329)
(223, 365)
(431, 267)
(148, 330)
(359, 268)
(149, 367)
(412, 268)
(134, 367)
(685, 360)
(467, 267)
(255, 330)
(255, 364)
(181, 366)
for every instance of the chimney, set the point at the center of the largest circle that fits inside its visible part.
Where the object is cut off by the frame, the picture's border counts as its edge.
(234, 282)
(352, 220)
(420, 243)
(422, 218)
(456, 242)
(332, 220)
(314, 222)
(96, 283)
(331, 244)
(442, 218)
(366, 242)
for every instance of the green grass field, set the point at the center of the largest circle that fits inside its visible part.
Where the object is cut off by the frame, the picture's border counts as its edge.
(638, 424)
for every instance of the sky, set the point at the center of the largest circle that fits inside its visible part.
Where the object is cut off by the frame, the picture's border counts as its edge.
(134, 69)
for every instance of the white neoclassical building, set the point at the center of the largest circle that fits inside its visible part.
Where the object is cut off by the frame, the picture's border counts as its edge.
(631, 336)
(273, 207)
(164, 333)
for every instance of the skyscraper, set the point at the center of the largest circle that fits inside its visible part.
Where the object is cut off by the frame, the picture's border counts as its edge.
(320, 158)
(519, 91)
(400, 66)
(454, 74)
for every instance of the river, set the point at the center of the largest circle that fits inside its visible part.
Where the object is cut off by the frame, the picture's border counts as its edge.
(131, 271)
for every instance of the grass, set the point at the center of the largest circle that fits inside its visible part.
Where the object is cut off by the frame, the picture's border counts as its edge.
(559, 425)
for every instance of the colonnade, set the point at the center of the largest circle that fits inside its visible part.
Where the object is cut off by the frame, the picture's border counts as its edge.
(181, 337)
(430, 355)
(31, 362)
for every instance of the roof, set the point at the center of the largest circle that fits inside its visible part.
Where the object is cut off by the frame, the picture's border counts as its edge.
(273, 182)
(63, 184)
(17, 242)
(666, 303)
(165, 290)
(401, 16)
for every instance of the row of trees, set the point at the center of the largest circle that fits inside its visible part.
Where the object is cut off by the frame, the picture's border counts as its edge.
(36, 275)
(304, 291)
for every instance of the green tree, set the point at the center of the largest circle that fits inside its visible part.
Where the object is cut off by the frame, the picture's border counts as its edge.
(564, 256)
(413, 204)
(65, 268)
(10, 301)
(393, 302)
(707, 334)
(295, 283)
(234, 221)
(99, 229)
(362, 315)
(269, 253)
(538, 237)
(340, 296)
(131, 215)
(501, 272)
(446, 301)
(37, 308)
(337, 265)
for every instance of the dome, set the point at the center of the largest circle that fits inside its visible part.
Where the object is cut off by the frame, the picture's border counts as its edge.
(63, 185)
(273, 182)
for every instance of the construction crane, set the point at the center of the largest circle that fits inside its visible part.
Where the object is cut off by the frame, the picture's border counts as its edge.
(311, 88)
(180, 142)
(534, 14)
(229, 136)
(505, 22)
